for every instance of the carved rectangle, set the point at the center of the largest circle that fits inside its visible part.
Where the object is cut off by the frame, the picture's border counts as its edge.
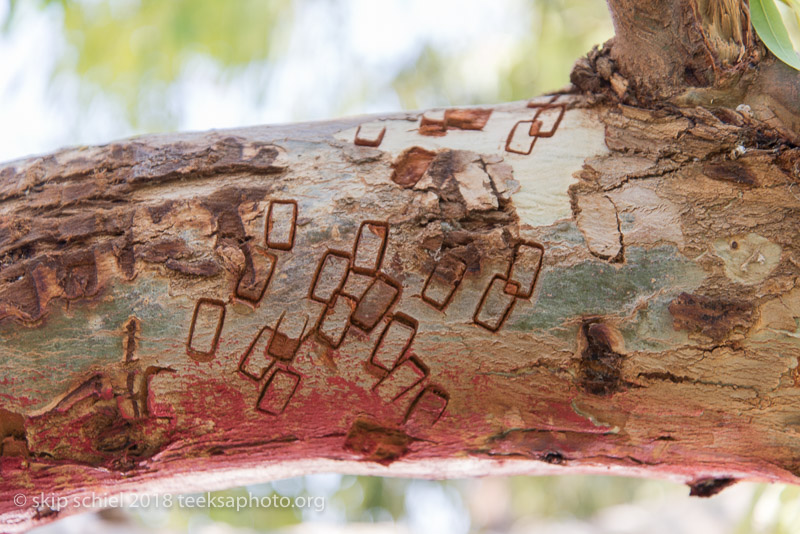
(369, 135)
(206, 327)
(394, 341)
(442, 283)
(260, 264)
(370, 247)
(519, 140)
(287, 336)
(335, 320)
(281, 224)
(495, 304)
(547, 119)
(535, 104)
(467, 119)
(426, 408)
(278, 391)
(330, 276)
(255, 362)
(525, 267)
(402, 378)
(433, 123)
(433, 117)
(379, 297)
(356, 285)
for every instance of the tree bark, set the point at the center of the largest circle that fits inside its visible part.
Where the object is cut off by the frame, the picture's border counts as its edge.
(570, 284)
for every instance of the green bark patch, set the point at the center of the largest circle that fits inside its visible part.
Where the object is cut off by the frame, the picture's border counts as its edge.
(40, 363)
(597, 288)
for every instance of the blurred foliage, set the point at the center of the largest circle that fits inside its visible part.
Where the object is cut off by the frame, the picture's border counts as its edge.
(774, 509)
(492, 504)
(134, 49)
(561, 31)
(135, 52)
(579, 496)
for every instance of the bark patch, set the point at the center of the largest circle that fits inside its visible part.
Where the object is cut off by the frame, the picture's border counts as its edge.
(376, 443)
(411, 165)
(126, 258)
(166, 249)
(77, 274)
(467, 119)
(12, 434)
(715, 318)
(729, 171)
(708, 487)
(599, 223)
(21, 299)
(554, 457)
(459, 179)
(455, 119)
(601, 363)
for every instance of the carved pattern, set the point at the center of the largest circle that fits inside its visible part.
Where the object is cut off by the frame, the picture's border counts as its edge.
(366, 243)
(401, 330)
(443, 281)
(270, 355)
(376, 302)
(253, 282)
(402, 378)
(535, 130)
(271, 228)
(431, 125)
(356, 293)
(196, 353)
(272, 350)
(283, 346)
(496, 304)
(427, 408)
(332, 274)
(278, 391)
(503, 291)
(453, 119)
(326, 273)
(335, 320)
(374, 142)
(256, 355)
(280, 226)
(525, 267)
(402, 372)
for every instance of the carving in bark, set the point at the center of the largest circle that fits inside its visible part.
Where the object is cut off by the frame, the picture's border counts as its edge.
(570, 284)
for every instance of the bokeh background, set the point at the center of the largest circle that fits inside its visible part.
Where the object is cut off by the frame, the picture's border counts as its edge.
(90, 71)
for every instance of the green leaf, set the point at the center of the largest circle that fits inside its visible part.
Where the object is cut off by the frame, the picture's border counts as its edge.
(771, 29)
(794, 5)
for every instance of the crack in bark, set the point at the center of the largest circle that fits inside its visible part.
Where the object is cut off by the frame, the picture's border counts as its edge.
(678, 379)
